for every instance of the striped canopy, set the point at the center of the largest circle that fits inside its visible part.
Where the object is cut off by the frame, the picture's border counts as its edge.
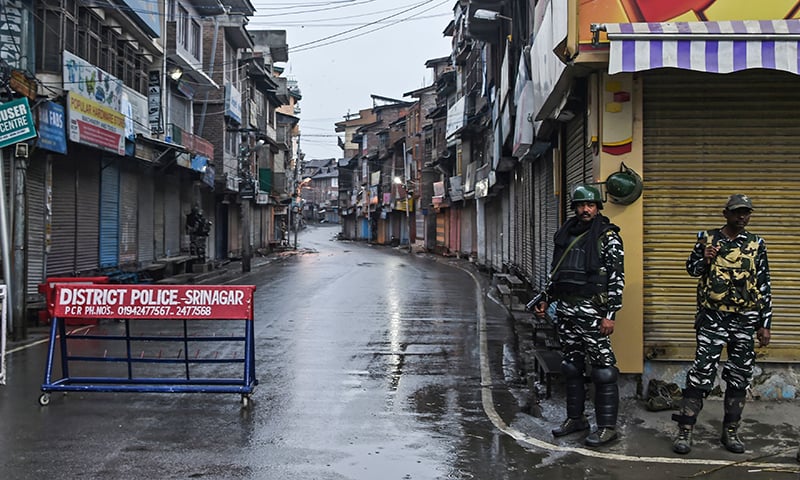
(715, 47)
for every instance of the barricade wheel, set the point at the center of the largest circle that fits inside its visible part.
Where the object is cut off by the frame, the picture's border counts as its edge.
(44, 399)
(246, 401)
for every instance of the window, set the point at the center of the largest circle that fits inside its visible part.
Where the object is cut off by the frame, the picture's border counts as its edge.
(182, 27)
(195, 44)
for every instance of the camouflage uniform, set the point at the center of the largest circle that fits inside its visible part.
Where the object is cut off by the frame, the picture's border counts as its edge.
(734, 299)
(730, 309)
(579, 315)
(579, 318)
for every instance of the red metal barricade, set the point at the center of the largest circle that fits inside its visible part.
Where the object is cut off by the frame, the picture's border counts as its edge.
(167, 338)
(48, 289)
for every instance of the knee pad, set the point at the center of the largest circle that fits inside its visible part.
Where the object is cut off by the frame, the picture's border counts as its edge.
(571, 370)
(693, 392)
(604, 375)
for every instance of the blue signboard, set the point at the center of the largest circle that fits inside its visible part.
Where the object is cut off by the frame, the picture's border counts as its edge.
(52, 135)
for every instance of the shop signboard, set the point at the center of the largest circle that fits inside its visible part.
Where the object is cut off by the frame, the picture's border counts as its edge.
(92, 123)
(16, 122)
(52, 135)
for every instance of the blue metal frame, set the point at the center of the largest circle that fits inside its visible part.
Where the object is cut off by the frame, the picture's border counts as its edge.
(59, 336)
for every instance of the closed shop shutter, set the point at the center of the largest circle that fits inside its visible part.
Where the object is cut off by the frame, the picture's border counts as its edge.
(61, 258)
(146, 230)
(467, 228)
(705, 137)
(172, 216)
(441, 228)
(128, 218)
(109, 215)
(525, 218)
(87, 255)
(494, 227)
(544, 218)
(505, 227)
(158, 218)
(235, 235)
(36, 218)
(187, 202)
(454, 243)
(579, 157)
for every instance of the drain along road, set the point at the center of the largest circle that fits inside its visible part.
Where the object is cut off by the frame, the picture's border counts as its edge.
(372, 363)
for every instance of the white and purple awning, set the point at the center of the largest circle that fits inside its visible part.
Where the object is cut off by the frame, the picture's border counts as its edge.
(715, 47)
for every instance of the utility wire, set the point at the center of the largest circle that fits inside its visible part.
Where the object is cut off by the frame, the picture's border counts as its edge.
(296, 47)
(317, 24)
(350, 3)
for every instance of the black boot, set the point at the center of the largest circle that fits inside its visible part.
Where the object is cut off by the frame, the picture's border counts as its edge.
(576, 399)
(691, 404)
(606, 405)
(734, 405)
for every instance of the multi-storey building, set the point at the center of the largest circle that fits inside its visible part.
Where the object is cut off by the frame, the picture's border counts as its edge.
(139, 118)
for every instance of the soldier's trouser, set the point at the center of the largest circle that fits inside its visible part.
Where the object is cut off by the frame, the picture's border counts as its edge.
(716, 329)
(580, 339)
(576, 391)
(606, 396)
(691, 405)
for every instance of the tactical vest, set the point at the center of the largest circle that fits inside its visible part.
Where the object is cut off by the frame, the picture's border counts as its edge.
(730, 284)
(571, 280)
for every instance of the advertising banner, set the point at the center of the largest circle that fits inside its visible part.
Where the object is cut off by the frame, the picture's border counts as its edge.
(175, 302)
(92, 123)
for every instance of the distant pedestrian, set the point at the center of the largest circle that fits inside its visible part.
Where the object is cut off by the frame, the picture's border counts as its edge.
(586, 282)
(734, 303)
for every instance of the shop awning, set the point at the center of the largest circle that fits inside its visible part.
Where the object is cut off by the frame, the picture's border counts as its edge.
(715, 47)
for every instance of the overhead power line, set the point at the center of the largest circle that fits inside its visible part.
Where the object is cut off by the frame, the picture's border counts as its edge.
(318, 43)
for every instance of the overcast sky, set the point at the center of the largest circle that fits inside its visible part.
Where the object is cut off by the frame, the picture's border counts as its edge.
(343, 51)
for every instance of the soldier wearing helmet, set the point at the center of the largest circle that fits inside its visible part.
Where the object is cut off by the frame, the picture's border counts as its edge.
(734, 304)
(586, 281)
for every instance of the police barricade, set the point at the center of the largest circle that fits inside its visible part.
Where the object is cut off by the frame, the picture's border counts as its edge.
(159, 338)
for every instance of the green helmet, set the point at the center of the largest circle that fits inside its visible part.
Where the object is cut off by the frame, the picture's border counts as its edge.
(587, 193)
(624, 187)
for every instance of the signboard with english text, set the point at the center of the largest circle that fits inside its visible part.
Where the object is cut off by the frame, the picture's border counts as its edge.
(154, 301)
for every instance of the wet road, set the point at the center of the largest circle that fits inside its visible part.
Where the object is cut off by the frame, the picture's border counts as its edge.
(372, 363)
(368, 368)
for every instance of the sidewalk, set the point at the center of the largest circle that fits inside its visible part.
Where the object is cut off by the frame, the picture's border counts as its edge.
(770, 429)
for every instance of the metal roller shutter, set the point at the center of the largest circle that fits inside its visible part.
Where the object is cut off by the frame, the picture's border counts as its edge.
(128, 217)
(36, 218)
(525, 219)
(146, 230)
(61, 258)
(505, 227)
(109, 215)
(172, 216)
(158, 219)
(544, 218)
(705, 137)
(579, 158)
(87, 255)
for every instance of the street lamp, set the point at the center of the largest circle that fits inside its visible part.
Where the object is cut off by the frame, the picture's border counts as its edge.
(490, 15)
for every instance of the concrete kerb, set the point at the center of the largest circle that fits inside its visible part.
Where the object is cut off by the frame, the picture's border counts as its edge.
(632, 415)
